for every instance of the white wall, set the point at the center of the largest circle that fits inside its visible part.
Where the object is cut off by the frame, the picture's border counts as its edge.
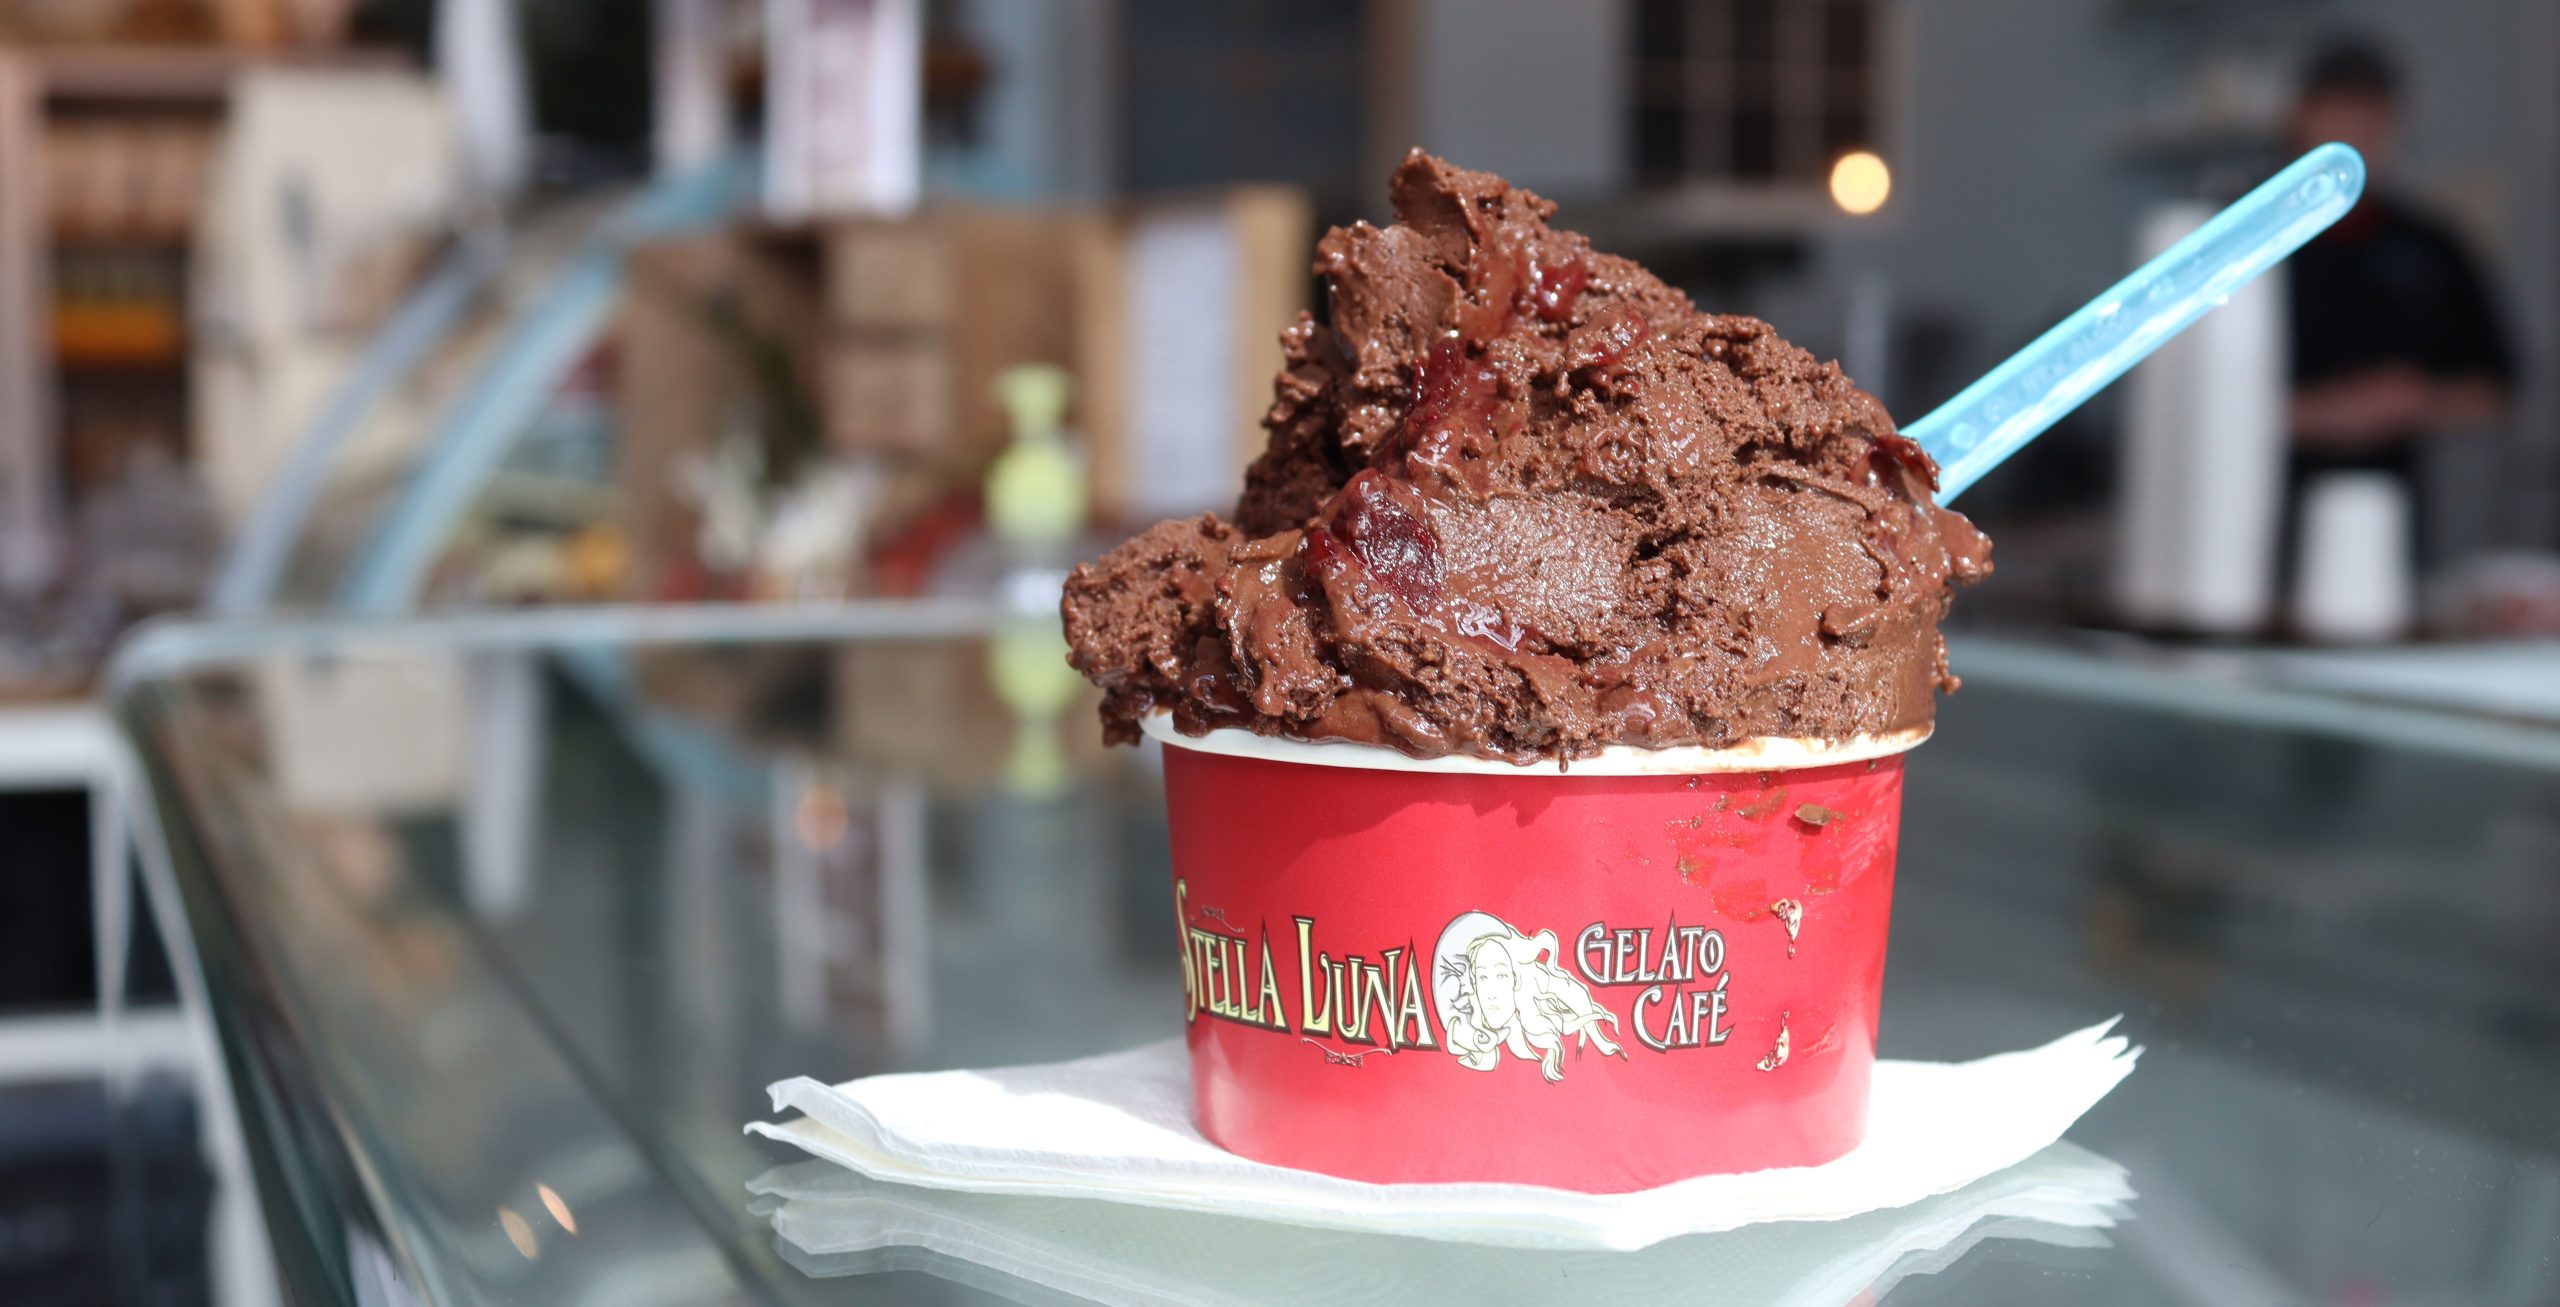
(2004, 211)
(2007, 209)
(1530, 89)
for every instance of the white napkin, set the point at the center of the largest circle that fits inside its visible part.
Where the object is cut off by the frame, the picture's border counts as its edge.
(1118, 1128)
(834, 1222)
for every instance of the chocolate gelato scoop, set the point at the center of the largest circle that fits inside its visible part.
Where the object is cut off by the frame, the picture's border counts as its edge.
(1522, 500)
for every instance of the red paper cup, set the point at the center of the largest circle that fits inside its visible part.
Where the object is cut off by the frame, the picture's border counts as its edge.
(1648, 966)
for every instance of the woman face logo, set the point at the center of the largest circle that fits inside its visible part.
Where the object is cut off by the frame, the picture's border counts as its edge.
(1501, 991)
(1489, 983)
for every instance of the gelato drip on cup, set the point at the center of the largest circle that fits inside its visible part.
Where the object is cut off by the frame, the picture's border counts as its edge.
(1535, 721)
(1637, 969)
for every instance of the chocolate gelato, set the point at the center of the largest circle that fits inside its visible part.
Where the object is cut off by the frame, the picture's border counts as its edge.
(1522, 500)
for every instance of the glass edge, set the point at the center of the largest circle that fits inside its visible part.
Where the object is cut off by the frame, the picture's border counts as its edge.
(168, 647)
(2189, 688)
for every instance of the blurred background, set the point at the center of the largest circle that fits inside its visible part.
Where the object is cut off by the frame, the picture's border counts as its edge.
(382, 308)
(396, 305)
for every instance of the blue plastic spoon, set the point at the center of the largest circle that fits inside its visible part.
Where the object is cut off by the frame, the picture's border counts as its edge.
(2014, 402)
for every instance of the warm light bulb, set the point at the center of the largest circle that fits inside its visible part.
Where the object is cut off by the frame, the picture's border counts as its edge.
(1860, 182)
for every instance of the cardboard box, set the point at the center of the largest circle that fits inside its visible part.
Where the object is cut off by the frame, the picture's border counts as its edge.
(1184, 344)
(985, 289)
(888, 396)
(889, 275)
(897, 330)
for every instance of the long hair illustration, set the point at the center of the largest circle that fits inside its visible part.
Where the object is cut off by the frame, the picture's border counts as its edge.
(1503, 991)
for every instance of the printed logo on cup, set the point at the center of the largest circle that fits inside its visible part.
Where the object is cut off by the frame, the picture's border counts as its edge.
(1502, 991)
(1488, 993)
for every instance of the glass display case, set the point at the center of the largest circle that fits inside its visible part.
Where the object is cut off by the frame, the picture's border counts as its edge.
(504, 924)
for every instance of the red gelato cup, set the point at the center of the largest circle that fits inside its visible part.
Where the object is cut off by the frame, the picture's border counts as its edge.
(1647, 966)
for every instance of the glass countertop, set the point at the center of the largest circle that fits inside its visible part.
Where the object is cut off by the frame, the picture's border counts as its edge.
(504, 924)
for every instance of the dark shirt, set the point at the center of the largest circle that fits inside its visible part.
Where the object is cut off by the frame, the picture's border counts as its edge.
(2388, 285)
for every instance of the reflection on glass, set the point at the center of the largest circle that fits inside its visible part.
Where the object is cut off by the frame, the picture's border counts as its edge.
(849, 898)
(520, 1233)
(558, 1207)
(829, 1221)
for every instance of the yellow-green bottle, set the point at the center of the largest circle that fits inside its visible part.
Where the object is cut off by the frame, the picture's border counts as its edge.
(1036, 491)
(1035, 510)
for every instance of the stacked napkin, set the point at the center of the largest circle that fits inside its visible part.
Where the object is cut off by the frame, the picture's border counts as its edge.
(1117, 1128)
(835, 1222)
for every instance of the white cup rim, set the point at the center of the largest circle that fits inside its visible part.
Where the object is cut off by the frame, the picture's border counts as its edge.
(1758, 754)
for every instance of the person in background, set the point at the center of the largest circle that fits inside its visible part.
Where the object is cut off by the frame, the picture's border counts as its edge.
(2394, 334)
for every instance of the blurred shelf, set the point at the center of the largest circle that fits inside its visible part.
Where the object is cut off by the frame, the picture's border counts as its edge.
(174, 74)
(121, 363)
(24, 694)
(167, 95)
(118, 338)
(541, 497)
(132, 242)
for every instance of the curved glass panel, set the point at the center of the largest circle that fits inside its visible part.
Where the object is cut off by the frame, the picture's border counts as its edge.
(506, 922)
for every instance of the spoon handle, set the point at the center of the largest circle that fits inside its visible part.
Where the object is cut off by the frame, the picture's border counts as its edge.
(2014, 402)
